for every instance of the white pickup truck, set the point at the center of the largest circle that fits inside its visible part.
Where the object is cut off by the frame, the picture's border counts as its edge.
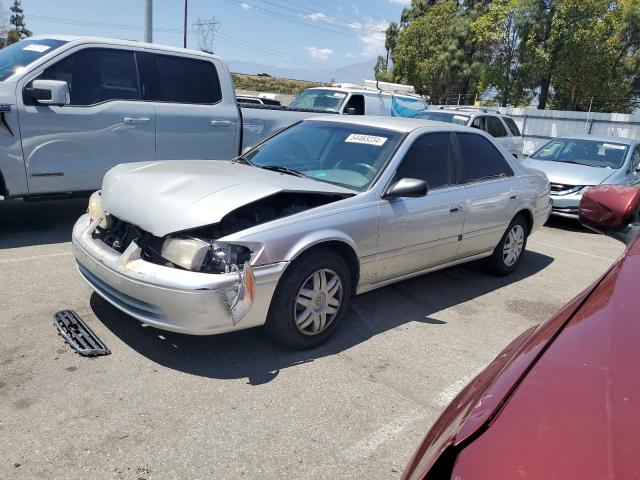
(71, 108)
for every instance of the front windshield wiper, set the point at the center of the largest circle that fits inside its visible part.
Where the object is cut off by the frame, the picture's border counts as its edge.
(579, 163)
(279, 169)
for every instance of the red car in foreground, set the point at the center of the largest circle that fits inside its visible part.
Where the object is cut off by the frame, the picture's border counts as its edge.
(562, 401)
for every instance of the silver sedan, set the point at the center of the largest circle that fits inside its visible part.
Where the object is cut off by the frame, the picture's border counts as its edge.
(285, 234)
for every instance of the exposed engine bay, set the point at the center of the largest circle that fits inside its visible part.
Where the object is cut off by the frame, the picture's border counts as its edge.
(198, 249)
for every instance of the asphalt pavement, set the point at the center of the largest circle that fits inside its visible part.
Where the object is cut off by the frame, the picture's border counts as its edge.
(165, 405)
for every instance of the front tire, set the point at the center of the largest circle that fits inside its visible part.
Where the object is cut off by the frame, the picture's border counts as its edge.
(310, 300)
(508, 253)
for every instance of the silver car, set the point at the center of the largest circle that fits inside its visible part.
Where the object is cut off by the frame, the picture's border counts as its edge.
(575, 163)
(285, 234)
(501, 127)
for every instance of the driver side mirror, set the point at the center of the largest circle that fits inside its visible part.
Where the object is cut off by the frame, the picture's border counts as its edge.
(50, 92)
(407, 187)
(612, 210)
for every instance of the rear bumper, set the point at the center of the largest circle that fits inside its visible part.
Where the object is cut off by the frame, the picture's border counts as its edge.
(168, 298)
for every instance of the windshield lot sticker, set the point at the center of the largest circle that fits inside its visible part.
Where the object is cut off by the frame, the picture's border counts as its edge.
(36, 48)
(613, 145)
(460, 117)
(366, 139)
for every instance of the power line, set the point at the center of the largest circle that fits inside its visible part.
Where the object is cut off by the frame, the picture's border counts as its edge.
(228, 39)
(293, 19)
(344, 23)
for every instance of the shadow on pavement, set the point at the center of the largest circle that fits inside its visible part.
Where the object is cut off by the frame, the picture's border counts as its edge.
(39, 222)
(568, 224)
(249, 354)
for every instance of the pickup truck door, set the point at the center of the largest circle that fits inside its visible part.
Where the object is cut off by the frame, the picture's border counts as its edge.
(197, 116)
(492, 194)
(419, 233)
(69, 148)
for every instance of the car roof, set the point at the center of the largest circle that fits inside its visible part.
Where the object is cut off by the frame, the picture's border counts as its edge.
(601, 138)
(125, 43)
(398, 124)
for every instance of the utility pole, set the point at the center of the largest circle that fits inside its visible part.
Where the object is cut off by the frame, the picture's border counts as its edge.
(184, 43)
(148, 21)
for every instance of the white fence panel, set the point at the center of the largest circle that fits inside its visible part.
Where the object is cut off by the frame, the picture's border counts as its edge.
(538, 126)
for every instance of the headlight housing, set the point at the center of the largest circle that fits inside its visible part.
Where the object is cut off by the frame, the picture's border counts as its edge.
(200, 255)
(95, 210)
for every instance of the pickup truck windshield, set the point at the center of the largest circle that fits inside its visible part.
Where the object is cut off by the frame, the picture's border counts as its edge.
(583, 152)
(14, 58)
(319, 99)
(348, 155)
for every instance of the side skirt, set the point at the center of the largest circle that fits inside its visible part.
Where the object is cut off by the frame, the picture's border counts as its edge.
(384, 283)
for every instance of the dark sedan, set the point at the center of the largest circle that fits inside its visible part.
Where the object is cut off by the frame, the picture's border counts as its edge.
(562, 400)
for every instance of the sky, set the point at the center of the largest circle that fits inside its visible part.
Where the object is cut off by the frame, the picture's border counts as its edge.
(288, 33)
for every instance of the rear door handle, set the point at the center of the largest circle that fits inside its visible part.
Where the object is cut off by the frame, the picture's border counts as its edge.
(513, 196)
(221, 123)
(135, 120)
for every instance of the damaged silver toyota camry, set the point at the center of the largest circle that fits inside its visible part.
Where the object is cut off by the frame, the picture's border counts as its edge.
(286, 233)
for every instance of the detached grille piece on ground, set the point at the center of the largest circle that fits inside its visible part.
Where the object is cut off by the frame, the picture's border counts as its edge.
(78, 335)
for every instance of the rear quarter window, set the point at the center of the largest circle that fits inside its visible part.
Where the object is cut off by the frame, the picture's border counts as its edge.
(513, 127)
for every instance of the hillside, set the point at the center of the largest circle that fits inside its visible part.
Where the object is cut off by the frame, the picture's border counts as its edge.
(271, 84)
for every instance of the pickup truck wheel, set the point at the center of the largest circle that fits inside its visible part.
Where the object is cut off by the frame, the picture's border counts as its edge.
(311, 299)
(507, 255)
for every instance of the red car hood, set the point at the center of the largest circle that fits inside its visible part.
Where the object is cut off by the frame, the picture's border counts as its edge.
(560, 373)
(576, 414)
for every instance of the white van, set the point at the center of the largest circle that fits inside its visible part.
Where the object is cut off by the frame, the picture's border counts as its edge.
(370, 98)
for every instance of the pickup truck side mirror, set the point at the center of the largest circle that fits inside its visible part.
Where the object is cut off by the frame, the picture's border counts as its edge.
(407, 187)
(351, 111)
(613, 210)
(50, 92)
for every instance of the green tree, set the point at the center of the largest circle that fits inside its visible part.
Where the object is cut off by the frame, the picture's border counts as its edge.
(391, 39)
(19, 30)
(496, 31)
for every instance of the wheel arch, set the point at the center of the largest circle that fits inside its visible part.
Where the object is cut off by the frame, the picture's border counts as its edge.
(345, 247)
(528, 216)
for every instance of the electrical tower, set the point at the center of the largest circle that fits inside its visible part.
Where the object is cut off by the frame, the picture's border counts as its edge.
(205, 31)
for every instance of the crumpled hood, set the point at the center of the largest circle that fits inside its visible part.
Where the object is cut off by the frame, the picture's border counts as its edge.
(171, 196)
(570, 173)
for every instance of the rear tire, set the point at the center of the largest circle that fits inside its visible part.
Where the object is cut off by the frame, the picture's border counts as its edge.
(508, 253)
(310, 300)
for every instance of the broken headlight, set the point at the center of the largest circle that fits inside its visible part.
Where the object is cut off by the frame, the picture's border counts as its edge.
(200, 255)
(95, 210)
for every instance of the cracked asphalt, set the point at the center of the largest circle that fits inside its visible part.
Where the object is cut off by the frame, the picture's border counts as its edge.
(166, 406)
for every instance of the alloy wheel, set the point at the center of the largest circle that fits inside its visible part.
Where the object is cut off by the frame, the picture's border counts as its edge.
(318, 301)
(513, 245)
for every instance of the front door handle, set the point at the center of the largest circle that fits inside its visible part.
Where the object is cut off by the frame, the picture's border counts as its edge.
(221, 123)
(135, 120)
(455, 208)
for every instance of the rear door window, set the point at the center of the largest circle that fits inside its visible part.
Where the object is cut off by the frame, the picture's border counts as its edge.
(186, 80)
(515, 131)
(481, 159)
(431, 158)
(479, 123)
(495, 128)
(97, 75)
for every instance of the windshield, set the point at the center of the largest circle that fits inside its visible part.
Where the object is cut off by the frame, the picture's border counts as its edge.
(14, 58)
(339, 153)
(326, 100)
(444, 117)
(592, 153)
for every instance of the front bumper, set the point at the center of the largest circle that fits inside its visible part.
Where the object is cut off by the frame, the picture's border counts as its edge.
(164, 297)
(566, 205)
